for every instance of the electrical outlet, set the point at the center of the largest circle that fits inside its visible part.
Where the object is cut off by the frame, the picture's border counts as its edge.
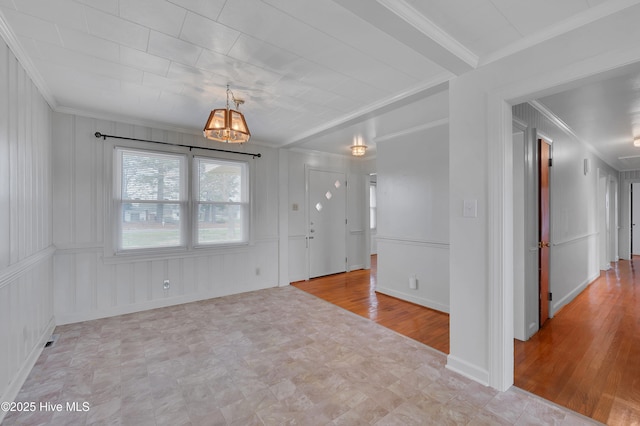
(166, 285)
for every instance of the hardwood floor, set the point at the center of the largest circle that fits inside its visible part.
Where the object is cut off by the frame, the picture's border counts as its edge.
(355, 291)
(586, 358)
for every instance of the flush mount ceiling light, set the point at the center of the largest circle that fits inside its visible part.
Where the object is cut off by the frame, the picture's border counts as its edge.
(636, 141)
(358, 148)
(226, 124)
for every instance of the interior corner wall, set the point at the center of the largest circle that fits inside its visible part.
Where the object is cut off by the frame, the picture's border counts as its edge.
(413, 217)
(26, 251)
(356, 238)
(574, 206)
(89, 282)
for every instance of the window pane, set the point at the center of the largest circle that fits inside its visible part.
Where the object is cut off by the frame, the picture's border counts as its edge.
(148, 225)
(150, 176)
(220, 181)
(221, 223)
(373, 202)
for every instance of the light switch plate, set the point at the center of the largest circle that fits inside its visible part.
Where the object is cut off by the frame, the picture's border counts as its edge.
(470, 208)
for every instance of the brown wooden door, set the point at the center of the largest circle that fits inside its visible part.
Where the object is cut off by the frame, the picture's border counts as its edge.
(544, 155)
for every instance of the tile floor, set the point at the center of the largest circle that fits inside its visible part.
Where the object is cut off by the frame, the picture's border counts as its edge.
(275, 356)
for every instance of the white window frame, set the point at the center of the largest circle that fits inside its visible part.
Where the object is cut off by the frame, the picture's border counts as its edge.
(189, 203)
(244, 202)
(373, 206)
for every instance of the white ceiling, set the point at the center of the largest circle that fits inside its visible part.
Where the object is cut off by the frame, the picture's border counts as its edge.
(605, 114)
(314, 74)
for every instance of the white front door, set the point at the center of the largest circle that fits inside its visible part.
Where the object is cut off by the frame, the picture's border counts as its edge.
(327, 223)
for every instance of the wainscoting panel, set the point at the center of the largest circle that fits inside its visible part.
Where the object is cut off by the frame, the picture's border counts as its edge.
(87, 288)
(428, 261)
(26, 284)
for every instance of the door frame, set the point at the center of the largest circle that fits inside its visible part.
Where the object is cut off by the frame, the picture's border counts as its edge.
(307, 213)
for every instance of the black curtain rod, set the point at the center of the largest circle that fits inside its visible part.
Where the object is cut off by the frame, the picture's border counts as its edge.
(101, 135)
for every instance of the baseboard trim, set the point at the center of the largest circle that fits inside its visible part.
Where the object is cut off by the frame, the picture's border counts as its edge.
(145, 306)
(427, 303)
(467, 370)
(572, 294)
(15, 385)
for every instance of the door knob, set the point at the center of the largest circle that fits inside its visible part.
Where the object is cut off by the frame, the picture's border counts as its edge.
(543, 244)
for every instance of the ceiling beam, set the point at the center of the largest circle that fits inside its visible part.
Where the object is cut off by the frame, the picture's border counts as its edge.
(403, 22)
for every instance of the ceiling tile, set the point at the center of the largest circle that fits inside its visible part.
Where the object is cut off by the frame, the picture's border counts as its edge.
(236, 71)
(144, 61)
(139, 91)
(64, 57)
(72, 83)
(208, 34)
(193, 76)
(109, 6)
(159, 15)
(207, 8)
(30, 26)
(89, 44)
(459, 18)
(171, 48)
(264, 55)
(526, 16)
(337, 22)
(162, 83)
(65, 13)
(117, 29)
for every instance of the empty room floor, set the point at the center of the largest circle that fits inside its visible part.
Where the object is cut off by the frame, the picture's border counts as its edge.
(275, 356)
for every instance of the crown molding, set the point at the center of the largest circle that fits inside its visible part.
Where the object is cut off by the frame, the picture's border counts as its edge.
(417, 20)
(581, 19)
(21, 55)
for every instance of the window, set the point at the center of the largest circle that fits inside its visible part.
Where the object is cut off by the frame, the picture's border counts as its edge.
(156, 210)
(152, 200)
(373, 203)
(221, 199)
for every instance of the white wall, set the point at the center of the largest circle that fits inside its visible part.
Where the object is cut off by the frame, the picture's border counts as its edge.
(413, 216)
(90, 282)
(356, 172)
(26, 285)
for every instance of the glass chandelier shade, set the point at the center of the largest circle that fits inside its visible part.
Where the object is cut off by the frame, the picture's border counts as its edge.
(358, 150)
(226, 124)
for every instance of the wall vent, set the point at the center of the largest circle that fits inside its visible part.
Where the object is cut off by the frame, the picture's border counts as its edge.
(52, 341)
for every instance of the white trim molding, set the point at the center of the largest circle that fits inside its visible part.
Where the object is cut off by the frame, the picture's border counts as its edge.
(417, 20)
(12, 272)
(12, 41)
(500, 246)
(16, 384)
(468, 370)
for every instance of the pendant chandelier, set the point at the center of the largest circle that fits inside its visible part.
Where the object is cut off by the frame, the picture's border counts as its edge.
(226, 124)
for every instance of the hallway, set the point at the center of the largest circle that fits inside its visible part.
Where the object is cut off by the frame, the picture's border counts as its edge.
(585, 358)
